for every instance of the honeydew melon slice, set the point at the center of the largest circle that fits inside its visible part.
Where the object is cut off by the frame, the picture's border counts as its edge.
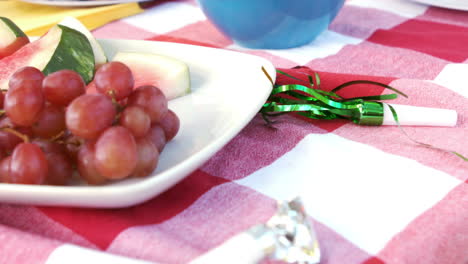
(99, 56)
(12, 37)
(60, 48)
(170, 75)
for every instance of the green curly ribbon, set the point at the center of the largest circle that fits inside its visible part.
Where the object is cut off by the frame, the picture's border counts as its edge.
(395, 116)
(318, 104)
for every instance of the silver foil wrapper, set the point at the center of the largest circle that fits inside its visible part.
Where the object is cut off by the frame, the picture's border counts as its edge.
(288, 236)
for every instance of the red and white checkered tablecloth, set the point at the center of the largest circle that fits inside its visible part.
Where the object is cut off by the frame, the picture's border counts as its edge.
(373, 196)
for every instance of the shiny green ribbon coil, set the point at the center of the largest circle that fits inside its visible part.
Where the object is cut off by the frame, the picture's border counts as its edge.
(314, 103)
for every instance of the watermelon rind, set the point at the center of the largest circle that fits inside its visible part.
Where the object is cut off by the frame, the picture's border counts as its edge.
(13, 27)
(170, 75)
(99, 55)
(74, 52)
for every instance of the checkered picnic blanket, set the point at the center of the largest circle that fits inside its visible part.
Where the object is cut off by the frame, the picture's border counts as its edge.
(372, 195)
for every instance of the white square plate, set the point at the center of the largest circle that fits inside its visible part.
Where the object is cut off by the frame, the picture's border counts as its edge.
(228, 89)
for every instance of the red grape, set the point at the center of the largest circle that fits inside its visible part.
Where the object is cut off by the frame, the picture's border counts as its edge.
(156, 135)
(63, 86)
(151, 99)
(116, 153)
(26, 77)
(148, 157)
(86, 164)
(136, 120)
(72, 146)
(8, 140)
(5, 169)
(114, 76)
(90, 114)
(26, 131)
(23, 105)
(58, 162)
(6, 122)
(170, 124)
(28, 165)
(2, 99)
(50, 123)
(49, 146)
(60, 168)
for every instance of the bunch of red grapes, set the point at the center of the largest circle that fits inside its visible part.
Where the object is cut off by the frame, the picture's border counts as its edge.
(51, 127)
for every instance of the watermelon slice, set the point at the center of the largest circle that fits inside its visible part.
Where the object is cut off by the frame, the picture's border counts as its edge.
(12, 38)
(168, 74)
(61, 48)
(99, 56)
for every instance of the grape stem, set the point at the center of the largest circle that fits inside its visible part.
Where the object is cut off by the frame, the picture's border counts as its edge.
(23, 137)
(116, 104)
(56, 137)
(63, 142)
(118, 107)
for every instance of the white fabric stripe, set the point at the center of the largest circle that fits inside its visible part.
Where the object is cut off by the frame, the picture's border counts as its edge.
(368, 197)
(404, 8)
(167, 17)
(454, 77)
(71, 254)
(326, 44)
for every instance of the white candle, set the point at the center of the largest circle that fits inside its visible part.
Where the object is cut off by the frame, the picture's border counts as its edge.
(420, 116)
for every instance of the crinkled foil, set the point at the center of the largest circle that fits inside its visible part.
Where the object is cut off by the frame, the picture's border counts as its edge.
(288, 236)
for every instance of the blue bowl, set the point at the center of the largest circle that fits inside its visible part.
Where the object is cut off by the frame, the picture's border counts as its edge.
(271, 24)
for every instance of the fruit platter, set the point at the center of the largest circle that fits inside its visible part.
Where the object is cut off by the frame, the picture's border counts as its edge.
(112, 123)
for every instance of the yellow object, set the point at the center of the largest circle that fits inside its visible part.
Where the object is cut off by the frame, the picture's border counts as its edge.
(35, 20)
